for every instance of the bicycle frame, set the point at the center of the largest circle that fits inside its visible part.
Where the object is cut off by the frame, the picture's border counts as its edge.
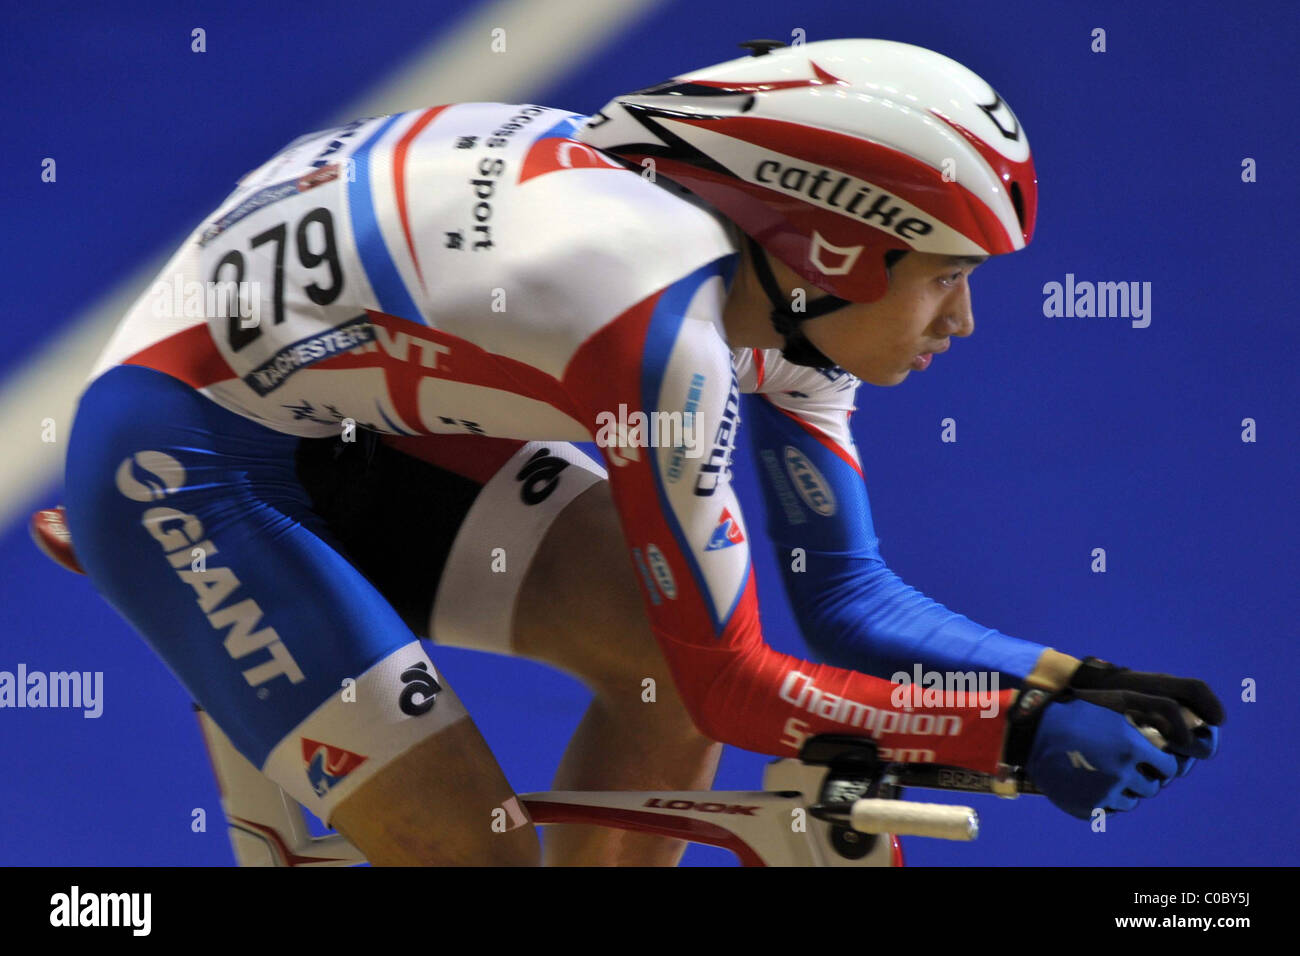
(820, 810)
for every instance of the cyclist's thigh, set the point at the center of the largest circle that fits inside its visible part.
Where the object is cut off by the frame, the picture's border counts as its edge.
(509, 546)
(192, 523)
(564, 590)
(470, 514)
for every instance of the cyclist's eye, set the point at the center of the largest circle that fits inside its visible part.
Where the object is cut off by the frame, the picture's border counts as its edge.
(949, 280)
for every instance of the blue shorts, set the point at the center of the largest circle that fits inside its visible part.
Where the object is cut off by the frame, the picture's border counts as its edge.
(204, 530)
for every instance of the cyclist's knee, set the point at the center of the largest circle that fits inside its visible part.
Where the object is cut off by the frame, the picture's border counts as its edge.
(443, 802)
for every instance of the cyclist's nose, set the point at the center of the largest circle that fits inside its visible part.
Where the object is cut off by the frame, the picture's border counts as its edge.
(961, 313)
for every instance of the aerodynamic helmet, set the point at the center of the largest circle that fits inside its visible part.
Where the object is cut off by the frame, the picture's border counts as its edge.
(832, 153)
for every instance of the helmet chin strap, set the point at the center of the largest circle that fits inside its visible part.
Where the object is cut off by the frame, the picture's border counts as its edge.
(787, 322)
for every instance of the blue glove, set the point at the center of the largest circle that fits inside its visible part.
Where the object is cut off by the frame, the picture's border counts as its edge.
(1085, 748)
(1201, 709)
(1086, 756)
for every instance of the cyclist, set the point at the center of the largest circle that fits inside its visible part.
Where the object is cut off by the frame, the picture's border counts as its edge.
(456, 276)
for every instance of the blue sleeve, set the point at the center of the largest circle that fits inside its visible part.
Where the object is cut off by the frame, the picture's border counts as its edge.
(853, 610)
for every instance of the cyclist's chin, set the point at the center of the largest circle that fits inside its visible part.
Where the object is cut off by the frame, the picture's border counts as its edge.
(874, 370)
(883, 377)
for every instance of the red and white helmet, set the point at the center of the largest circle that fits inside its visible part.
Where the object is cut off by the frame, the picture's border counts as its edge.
(832, 153)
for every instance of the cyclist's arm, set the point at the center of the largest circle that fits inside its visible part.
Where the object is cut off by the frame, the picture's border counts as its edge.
(853, 610)
(690, 551)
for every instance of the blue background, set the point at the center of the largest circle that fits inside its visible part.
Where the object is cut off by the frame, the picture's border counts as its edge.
(1073, 433)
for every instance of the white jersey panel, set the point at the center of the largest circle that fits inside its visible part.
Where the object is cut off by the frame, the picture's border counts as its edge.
(479, 221)
(822, 398)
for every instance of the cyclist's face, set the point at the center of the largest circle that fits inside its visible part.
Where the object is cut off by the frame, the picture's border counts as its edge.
(928, 302)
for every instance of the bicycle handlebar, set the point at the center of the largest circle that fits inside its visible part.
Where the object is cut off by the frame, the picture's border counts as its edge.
(939, 777)
(939, 820)
(860, 791)
(873, 815)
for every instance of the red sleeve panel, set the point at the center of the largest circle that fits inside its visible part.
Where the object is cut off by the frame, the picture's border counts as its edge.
(657, 388)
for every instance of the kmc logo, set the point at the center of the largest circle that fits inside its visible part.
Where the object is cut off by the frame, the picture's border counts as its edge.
(808, 481)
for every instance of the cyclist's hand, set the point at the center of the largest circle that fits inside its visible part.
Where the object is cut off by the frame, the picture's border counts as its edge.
(1085, 748)
(1201, 710)
(1086, 756)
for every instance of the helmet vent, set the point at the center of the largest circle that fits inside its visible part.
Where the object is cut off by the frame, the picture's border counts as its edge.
(1018, 201)
(761, 47)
